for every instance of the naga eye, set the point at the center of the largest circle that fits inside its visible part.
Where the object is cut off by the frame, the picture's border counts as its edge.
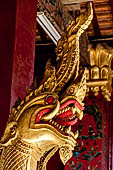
(71, 90)
(50, 99)
(13, 129)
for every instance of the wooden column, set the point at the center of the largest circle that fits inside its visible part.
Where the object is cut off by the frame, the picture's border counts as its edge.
(17, 50)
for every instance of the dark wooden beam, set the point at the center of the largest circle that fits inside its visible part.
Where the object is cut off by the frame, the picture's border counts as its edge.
(108, 40)
(41, 32)
(111, 5)
(73, 1)
(95, 24)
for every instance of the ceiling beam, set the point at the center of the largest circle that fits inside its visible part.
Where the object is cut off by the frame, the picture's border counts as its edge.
(111, 5)
(41, 32)
(95, 24)
(48, 27)
(65, 2)
(57, 14)
(72, 7)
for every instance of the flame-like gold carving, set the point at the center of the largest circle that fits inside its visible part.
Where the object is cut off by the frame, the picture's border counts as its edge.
(99, 76)
(40, 124)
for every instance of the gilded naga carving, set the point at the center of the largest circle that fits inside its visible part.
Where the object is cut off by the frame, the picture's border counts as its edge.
(40, 124)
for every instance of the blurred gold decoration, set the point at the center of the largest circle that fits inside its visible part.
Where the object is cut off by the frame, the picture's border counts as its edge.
(99, 75)
(40, 124)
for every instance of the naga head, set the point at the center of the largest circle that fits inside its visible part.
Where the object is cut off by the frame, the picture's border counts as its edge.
(45, 117)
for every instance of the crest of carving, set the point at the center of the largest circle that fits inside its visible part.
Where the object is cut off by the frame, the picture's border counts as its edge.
(40, 124)
(99, 76)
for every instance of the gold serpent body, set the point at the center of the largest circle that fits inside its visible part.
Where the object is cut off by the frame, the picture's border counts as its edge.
(16, 156)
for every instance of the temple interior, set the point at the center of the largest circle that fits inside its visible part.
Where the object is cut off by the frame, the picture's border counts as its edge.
(29, 33)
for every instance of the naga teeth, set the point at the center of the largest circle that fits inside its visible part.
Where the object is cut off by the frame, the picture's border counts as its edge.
(80, 115)
(71, 133)
(64, 110)
(67, 129)
(78, 110)
(56, 124)
(76, 134)
(73, 109)
(67, 108)
(60, 126)
(72, 117)
(53, 122)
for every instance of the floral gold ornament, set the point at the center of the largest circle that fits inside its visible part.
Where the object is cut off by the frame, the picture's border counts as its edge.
(99, 75)
(40, 124)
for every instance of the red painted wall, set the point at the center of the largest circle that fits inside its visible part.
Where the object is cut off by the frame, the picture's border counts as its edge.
(24, 48)
(17, 48)
(7, 34)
